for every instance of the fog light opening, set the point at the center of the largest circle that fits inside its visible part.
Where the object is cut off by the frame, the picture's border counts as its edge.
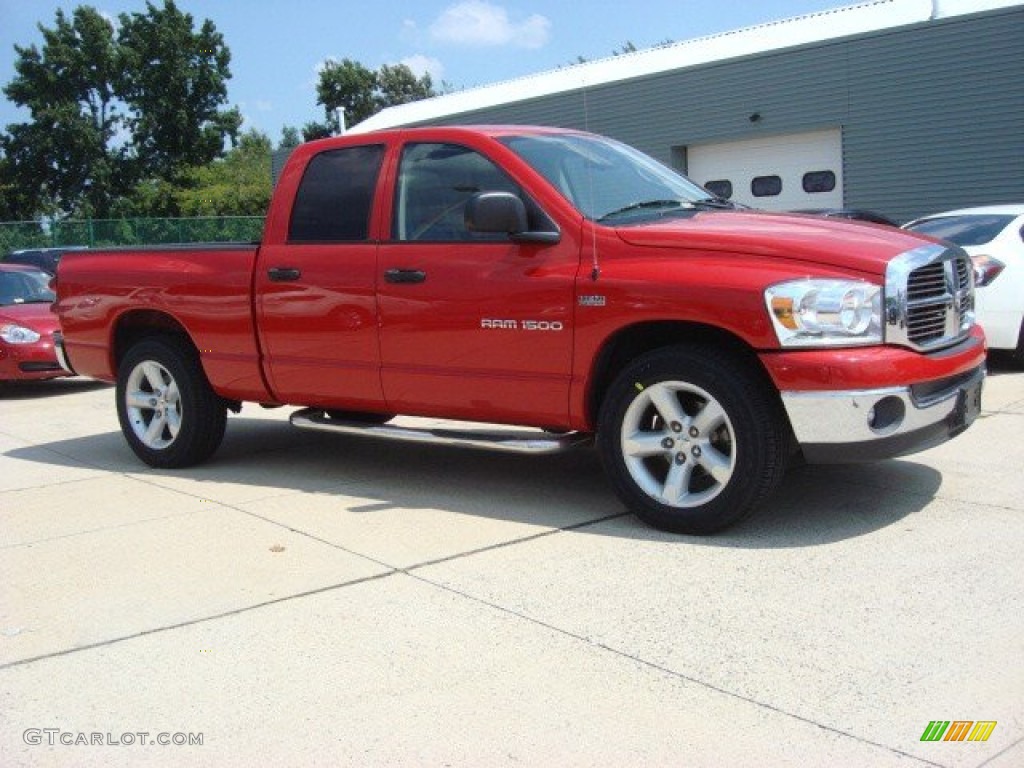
(886, 415)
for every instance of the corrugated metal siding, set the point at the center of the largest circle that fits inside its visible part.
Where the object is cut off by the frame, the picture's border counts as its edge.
(932, 114)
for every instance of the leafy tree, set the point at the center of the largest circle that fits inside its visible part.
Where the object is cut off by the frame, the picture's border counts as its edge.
(174, 81)
(396, 84)
(290, 137)
(237, 185)
(349, 85)
(108, 112)
(65, 158)
(361, 92)
(313, 130)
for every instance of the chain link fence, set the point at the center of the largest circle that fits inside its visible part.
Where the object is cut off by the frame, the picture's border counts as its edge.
(16, 235)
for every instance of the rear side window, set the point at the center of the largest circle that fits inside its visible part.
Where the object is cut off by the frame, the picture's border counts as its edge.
(335, 197)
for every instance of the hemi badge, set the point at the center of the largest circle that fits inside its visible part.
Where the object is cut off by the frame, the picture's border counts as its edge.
(592, 301)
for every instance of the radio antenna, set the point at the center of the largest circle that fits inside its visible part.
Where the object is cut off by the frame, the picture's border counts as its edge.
(595, 267)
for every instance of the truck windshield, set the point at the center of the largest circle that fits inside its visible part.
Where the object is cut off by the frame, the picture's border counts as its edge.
(607, 180)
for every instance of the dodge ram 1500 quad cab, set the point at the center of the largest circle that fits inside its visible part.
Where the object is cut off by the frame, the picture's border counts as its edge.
(549, 279)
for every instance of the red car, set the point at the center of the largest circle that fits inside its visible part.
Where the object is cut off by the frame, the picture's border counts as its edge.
(27, 325)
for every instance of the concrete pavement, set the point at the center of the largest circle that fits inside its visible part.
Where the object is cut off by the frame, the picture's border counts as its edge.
(310, 599)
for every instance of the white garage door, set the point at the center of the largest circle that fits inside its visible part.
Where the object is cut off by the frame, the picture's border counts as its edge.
(777, 173)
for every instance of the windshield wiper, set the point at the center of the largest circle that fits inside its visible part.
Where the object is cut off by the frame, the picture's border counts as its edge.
(642, 205)
(715, 203)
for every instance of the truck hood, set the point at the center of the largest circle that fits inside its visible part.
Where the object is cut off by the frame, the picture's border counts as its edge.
(846, 244)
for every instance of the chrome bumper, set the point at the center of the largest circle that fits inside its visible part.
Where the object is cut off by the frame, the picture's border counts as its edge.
(865, 425)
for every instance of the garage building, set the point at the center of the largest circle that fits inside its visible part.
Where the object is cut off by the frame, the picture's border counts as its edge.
(906, 107)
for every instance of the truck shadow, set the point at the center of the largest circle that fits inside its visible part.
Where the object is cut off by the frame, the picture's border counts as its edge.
(33, 390)
(267, 458)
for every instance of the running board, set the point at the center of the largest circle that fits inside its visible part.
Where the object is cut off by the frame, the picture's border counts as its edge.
(529, 441)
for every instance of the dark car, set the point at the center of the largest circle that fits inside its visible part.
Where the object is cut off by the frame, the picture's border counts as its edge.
(857, 214)
(45, 259)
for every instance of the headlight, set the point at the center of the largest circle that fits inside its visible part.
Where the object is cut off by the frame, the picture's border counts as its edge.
(18, 334)
(812, 312)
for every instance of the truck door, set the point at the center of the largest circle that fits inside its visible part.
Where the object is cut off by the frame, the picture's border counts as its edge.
(472, 324)
(315, 291)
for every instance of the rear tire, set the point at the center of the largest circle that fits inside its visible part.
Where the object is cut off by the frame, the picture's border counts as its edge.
(692, 439)
(1018, 354)
(169, 414)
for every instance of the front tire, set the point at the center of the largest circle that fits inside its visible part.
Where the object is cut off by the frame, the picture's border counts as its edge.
(169, 414)
(692, 439)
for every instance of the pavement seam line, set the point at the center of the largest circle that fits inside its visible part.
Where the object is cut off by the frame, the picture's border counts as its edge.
(1002, 752)
(86, 532)
(375, 561)
(391, 571)
(665, 670)
(199, 620)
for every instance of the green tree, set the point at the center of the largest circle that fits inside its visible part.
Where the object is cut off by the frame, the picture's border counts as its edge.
(362, 92)
(290, 137)
(174, 81)
(65, 158)
(237, 185)
(349, 85)
(396, 84)
(108, 112)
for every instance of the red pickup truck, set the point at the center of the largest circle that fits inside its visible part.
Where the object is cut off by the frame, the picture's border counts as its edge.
(550, 279)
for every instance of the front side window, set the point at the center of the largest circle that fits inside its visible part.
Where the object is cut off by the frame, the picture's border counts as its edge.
(435, 181)
(335, 197)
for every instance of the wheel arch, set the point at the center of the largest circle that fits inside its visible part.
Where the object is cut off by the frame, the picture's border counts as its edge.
(138, 324)
(629, 343)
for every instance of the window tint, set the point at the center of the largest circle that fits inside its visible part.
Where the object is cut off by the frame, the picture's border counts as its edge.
(721, 188)
(434, 183)
(975, 229)
(335, 196)
(766, 186)
(819, 181)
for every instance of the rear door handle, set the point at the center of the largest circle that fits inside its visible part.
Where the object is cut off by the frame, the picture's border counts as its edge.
(283, 274)
(405, 276)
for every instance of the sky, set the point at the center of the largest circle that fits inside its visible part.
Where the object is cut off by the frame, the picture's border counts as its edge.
(277, 46)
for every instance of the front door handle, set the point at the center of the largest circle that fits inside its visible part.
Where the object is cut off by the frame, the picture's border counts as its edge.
(283, 274)
(405, 276)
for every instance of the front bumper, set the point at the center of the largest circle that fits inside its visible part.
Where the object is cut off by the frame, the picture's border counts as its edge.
(28, 362)
(871, 424)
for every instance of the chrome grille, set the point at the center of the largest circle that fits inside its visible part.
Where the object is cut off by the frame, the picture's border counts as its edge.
(929, 297)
